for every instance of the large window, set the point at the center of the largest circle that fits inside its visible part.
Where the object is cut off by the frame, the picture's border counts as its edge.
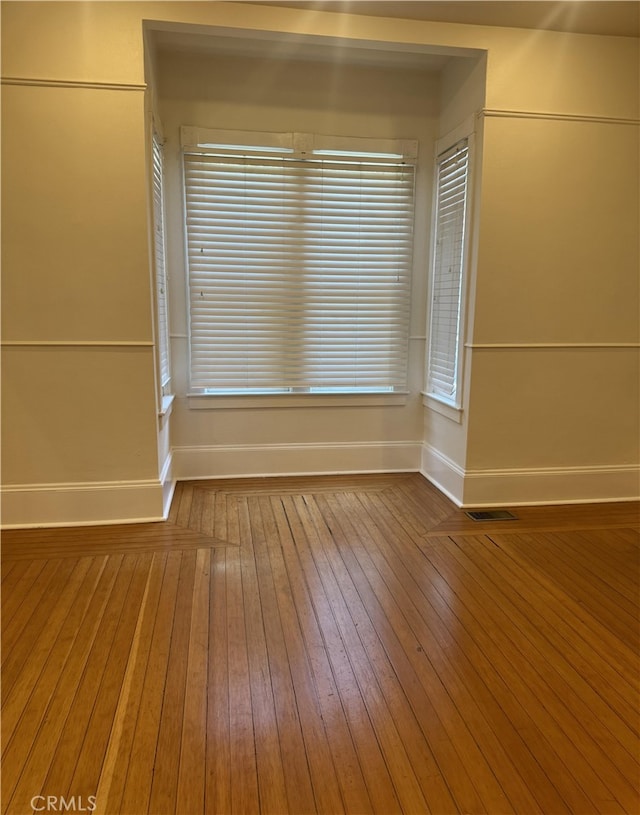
(447, 273)
(299, 255)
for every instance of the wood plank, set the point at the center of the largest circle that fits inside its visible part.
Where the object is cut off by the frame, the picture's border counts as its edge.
(18, 578)
(6, 572)
(537, 518)
(294, 485)
(422, 744)
(184, 507)
(339, 673)
(207, 519)
(597, 550)
(45, 750)
(220, 516)
(536, 679)
(218, 757)
(195, 511)
(433, 550)
(584, 582)
(191, 773)
(140, 753)
(320, 761)
(25, 661)
(300, 793)
(96, 541)
(162, 796)
(269, 762)
(244, 773)
(175, 502)
(31, 745)
(460, 742)
(96, 697)
(125, 647)
(345, 763)
(438, 615)
(22, 598)
(613, 661)
(113, 768)
(455, 748)
(387, 707)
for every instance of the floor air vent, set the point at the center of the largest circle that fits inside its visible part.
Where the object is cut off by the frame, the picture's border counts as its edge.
(492, 515)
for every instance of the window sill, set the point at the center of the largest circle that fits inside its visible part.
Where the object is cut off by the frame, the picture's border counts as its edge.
(211, 401)
(166, 407)
(450, 411)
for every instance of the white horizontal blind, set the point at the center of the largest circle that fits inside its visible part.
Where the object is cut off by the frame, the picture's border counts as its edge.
(299, 273)
(161, 276)
(448, 259)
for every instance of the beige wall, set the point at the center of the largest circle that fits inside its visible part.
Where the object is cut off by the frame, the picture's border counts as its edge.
(554, 377)
(555, 260)
(78, 377)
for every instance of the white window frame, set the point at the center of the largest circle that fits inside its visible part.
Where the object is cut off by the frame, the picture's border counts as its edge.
(450, 406)
(297, 146)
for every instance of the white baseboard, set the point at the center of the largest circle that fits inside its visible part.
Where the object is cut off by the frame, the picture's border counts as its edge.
(556, 485)
(221, 461)
(532, 487)
(114, 502)
(443, 473)
(168, 481)
(83, 504)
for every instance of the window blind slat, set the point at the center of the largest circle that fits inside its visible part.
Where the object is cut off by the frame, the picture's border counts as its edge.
(299, 273)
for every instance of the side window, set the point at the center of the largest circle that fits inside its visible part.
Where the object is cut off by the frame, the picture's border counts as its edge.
(447, 274)
(162, 316)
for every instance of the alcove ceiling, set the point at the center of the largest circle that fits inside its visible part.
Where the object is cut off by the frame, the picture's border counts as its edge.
(294, 48)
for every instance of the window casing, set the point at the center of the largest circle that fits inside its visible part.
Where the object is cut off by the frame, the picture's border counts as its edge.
(299, 254)
(444, 338)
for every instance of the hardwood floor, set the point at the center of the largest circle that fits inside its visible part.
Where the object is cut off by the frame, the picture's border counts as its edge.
(349, 644)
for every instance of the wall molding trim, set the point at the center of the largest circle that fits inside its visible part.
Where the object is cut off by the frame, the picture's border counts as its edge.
(76, 344)
(92, 503)
(236, 461)
(37, 82)
(530, 487)
(536, 346)
(494, 113)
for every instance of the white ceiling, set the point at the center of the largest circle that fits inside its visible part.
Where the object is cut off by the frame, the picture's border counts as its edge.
(611, 17)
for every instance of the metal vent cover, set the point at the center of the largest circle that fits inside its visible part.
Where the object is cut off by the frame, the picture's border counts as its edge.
(491, 515)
